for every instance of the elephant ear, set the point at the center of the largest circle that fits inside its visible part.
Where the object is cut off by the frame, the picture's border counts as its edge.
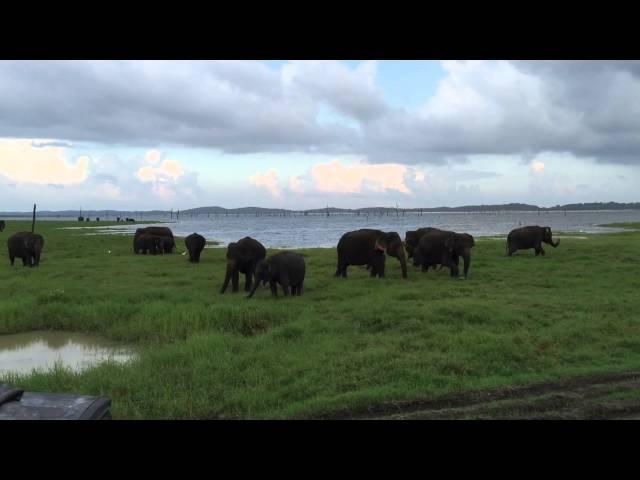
(381, 246)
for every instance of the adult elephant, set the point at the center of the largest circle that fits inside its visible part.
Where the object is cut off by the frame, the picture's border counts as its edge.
(168, 244)
(2, 225)
(27, 246)
(147, 243)
(532, 236)
(242, 257)
(285, 268)
(412, 238)
(195, 244)
(368, 247)
(444, 248)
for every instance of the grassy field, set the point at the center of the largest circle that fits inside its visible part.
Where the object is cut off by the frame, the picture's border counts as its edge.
(344, 345)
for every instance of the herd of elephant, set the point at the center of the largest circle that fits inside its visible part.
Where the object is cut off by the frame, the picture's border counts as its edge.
(429, 247)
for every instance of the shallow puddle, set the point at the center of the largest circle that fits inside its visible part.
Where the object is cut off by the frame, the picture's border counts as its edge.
(22, 352)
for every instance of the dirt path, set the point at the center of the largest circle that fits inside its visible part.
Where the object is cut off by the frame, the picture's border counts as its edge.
(610, 396)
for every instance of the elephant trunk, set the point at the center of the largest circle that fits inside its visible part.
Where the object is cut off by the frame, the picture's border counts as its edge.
(227, 276)
(466, 256)
(254, 288)
(403, 262)
(554, 244)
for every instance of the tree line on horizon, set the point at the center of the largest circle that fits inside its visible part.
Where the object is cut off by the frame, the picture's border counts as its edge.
(106, 214)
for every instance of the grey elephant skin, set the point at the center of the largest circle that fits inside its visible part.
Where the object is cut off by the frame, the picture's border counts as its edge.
(369, 247)
(27, 246)
(242, 257)
(168, 243)
(286, 269)
(195, 244)
(445, 248)
(412, 238)
(532, 236)
(151, 244)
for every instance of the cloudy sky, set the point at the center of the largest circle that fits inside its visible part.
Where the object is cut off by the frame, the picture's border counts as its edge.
(137, 135)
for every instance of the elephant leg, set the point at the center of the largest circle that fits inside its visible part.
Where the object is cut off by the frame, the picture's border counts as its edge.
(381, 269)
(274, 288)
(247, 281)
(373, 271)
(24, 261)
(235, 279)
(341, 270)
(11, 259)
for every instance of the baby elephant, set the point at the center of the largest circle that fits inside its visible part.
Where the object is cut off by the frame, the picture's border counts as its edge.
(285, 268)
(27, 246)
(195, 245)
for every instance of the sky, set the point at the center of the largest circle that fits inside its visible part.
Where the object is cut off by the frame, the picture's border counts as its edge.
(142, 135)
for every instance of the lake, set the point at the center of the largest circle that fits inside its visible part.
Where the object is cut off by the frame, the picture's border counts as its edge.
(322, 231)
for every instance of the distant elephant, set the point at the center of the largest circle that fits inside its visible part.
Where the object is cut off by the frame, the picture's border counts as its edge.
(169, 244)
(195, 244)
(524, 238)
(285, 268)
(242, 257)
(2, 225)
(147, 243)
(412, 237)
(368, 247)
(27, 246)
(444, 248)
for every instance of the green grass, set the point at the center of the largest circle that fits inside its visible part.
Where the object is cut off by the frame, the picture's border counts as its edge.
(343, 344)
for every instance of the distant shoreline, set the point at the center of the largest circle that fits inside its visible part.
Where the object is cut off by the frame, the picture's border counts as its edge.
(269, 212)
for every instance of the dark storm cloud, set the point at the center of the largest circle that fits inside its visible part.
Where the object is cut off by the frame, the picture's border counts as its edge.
(522, 108)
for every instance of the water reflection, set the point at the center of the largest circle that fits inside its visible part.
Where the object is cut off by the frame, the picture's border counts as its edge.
(22, 352)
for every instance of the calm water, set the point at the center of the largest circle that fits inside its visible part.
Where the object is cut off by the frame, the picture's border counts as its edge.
(22, 352)
(323, 231)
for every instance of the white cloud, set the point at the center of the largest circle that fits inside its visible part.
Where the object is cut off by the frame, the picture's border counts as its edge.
(152, 156)
(537, 166)
(21, 162)
(169, 169)
(268, 180)
(338, 178)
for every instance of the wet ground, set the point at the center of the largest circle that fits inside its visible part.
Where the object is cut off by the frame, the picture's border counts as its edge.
(597, 397)
(22, 352)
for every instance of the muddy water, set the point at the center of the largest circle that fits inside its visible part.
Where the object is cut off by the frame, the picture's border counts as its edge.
(22, 352)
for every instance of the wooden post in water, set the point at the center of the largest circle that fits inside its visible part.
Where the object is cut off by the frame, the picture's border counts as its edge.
(33, 221)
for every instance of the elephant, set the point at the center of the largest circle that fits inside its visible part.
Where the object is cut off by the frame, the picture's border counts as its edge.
(195, 244)
(412, 237)
(444, 248)
(532, 236)
(285, 268)
(2, 225)
(169, 243)
(153, 244)
(368, 247)
(242, 257)
(26, 245)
